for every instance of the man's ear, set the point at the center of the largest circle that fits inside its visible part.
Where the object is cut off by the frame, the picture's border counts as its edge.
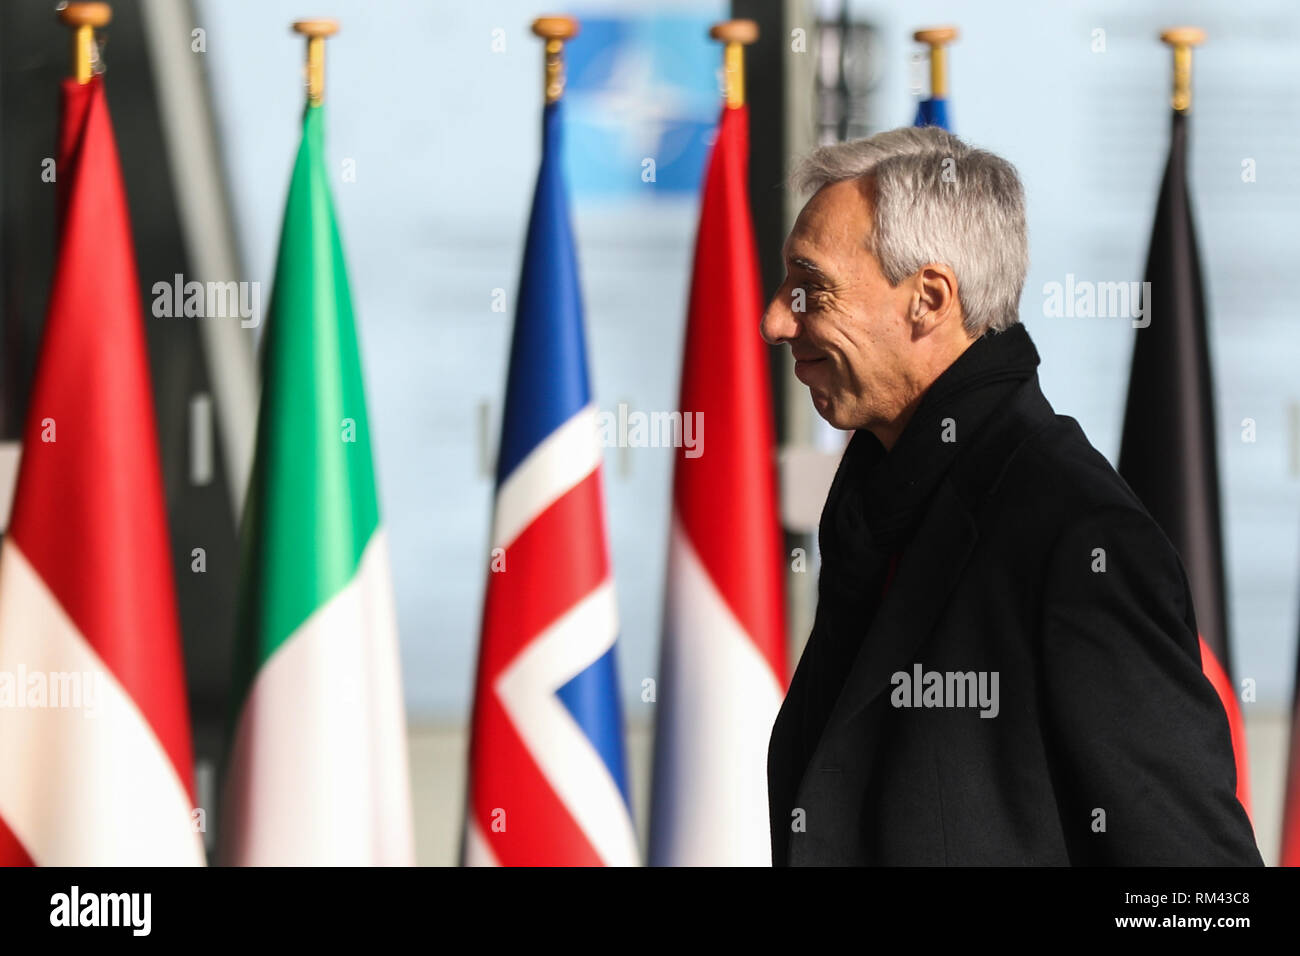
(934, 299)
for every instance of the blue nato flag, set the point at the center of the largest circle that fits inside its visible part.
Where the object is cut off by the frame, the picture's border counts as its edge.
(933, 112)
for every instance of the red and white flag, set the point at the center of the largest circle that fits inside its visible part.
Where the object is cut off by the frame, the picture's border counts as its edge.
(94, 729)
(722, 672)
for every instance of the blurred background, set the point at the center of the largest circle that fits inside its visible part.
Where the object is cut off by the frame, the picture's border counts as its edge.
(433, 131)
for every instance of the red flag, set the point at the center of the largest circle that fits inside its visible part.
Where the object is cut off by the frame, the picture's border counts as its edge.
(723, 666)
(96, 742)
(1290, 855)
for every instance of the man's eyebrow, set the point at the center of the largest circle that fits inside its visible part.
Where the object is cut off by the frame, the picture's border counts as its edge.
(807, 265)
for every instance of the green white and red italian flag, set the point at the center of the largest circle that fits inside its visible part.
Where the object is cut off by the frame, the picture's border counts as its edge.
(317, 770)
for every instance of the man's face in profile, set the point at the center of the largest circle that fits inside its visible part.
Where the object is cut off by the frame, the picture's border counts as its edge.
(846, 327)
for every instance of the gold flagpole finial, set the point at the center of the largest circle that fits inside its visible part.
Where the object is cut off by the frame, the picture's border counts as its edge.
(1182, 39)
(555, 30)
(316, 30)
(84, 18)
(937, 38)
(735, 35)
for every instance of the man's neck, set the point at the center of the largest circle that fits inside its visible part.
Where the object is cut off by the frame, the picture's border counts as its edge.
(889, 432)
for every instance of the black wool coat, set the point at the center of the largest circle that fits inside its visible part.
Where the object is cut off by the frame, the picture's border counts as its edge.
(1032, 560)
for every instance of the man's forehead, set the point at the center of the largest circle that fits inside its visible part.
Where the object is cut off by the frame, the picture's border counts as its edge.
(838, 213)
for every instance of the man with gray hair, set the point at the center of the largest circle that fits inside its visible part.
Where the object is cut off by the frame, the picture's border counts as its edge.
(1004, 666)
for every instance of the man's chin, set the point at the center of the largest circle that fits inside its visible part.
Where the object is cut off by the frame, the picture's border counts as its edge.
(830, 410)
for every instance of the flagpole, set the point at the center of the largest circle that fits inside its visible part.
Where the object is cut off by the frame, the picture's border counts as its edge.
(735, 36)
(1182, 39)
(84, 18)
(937, 38)
(316, 29)
(555, 31)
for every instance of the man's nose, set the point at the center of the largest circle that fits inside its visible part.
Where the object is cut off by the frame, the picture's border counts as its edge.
(778, 323)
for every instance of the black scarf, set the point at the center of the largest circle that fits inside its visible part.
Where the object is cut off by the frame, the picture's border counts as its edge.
(878, 497)
(875, 504)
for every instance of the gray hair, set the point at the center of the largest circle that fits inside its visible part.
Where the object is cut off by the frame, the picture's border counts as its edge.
(938, 200)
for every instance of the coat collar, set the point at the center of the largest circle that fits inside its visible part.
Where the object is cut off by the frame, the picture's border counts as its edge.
(935, 557)
(881, 496)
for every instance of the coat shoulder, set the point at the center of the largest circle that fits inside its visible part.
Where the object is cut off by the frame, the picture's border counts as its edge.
(1061, 457)
(1055, 480)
